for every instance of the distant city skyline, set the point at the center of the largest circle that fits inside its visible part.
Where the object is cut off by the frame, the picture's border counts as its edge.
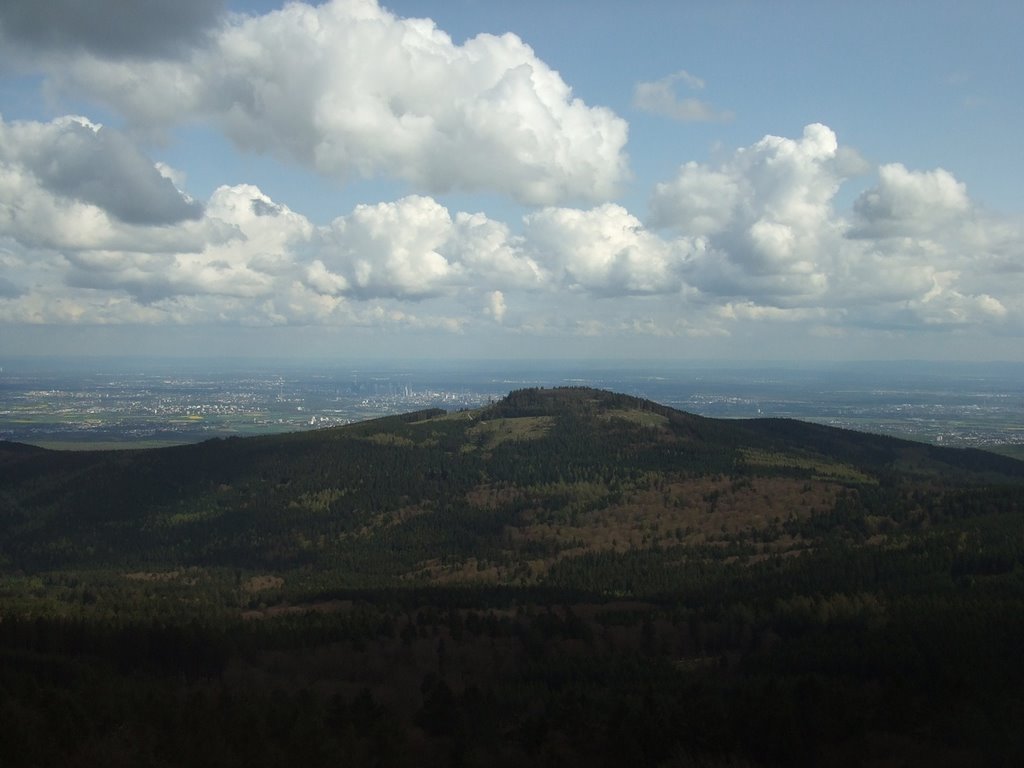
(98, 402)
(548, 181)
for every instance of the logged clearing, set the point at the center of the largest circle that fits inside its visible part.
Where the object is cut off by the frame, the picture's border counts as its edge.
(643, 418)
(819, 466)
(493, 432)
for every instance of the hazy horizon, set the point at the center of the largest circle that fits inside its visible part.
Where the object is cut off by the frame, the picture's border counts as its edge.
(127, 401)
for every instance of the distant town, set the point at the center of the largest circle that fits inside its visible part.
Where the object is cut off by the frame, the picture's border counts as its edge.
(123, 403)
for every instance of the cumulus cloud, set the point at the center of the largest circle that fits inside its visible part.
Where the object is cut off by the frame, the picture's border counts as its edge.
(699, 201)
(81, 161)
(108, 28)
(910, 203)
(767, 243)
(764, 218)
(415, 249)
(752, 240)
(69, 184)
(323, 281)
(348, 88)
(605, 250)
(392, 249)
(945, 305)
(488, 248)
(59, 230)
(246, 265)
(659, 97)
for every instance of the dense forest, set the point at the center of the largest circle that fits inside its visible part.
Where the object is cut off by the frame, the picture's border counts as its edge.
(566, 577)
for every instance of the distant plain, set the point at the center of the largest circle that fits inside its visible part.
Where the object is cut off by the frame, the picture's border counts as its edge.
(145, 403)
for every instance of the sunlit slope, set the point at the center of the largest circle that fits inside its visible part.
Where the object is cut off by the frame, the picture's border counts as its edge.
(506, 494)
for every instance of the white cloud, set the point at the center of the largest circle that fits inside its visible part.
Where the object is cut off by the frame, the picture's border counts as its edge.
(391, 249)
(750, 311)
(82, 162)
(765, 217)
(174, 175)
(267, 233)
(752, 241)
(768, 244)
(487, 248)
(605, 250)
(97, 231)
(910, 203)
(323, 281)
(660, 98)
(349, 88)
(497, 308)
(248, 264)
(70, 184)
(942, 304)
(699, 201)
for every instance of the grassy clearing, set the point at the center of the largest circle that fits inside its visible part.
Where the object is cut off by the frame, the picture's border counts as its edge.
(643, 418)
(820, 467)
(469, 415)
(386, 438)
(318, 501)
(193, 516)
(493, 432)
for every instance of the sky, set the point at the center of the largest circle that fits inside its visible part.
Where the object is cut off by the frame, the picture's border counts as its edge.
(467, 179)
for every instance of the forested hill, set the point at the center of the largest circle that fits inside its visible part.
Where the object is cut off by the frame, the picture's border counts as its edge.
(566, 577)
(874, 452)
(505, 494)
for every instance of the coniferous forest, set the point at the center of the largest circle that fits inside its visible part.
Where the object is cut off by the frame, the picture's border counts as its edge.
(566, 577)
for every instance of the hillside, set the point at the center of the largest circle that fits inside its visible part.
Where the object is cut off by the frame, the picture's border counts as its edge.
(566, 576)
(501, 495)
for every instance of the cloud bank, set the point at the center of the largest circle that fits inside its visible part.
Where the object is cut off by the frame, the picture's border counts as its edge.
(96, 230)
(348, 89)
(755, 238)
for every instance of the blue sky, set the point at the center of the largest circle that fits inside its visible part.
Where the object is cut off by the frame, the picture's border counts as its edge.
(459, 179)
